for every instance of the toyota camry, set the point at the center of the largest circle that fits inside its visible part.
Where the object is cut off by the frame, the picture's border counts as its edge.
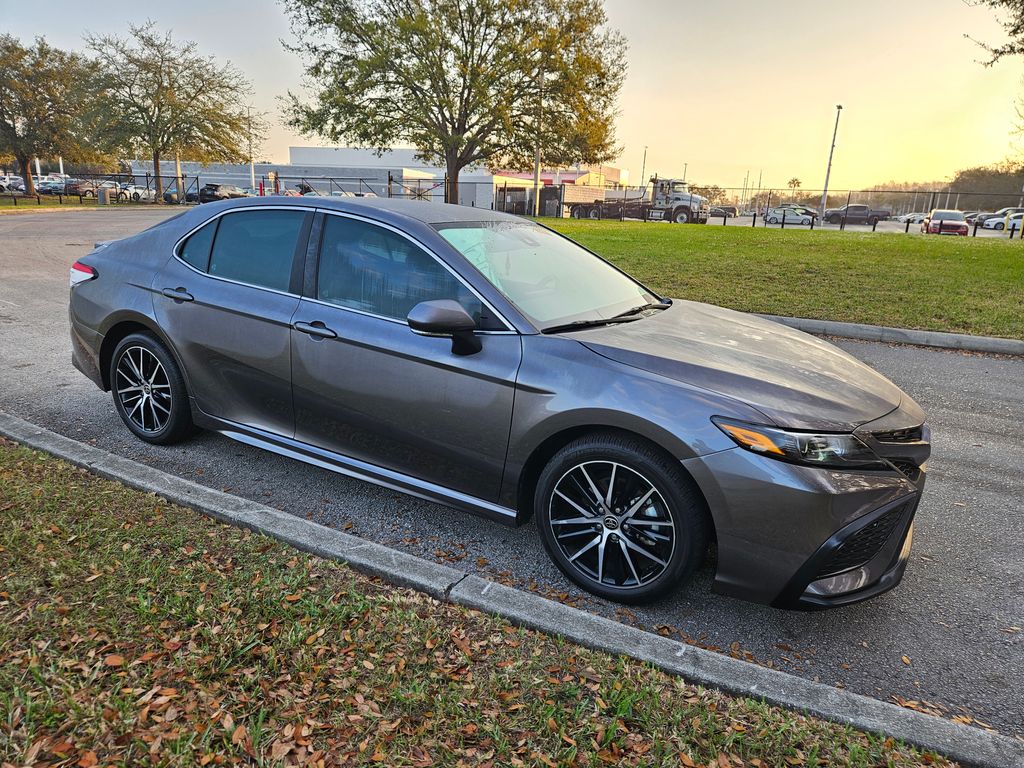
(483, 361)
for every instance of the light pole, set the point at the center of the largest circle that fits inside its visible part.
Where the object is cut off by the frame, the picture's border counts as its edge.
(828, 169)
(685, 166)
(643, 167)
(252, 166)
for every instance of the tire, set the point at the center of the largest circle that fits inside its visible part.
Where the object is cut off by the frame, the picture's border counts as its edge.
(773, 220)
(999, 226)
(834, 219)
(594, 213)
(667, 540)
(161, 387)
(89, 193)
(805, 221)
(681, 216)
(575, 212)
(136, 196)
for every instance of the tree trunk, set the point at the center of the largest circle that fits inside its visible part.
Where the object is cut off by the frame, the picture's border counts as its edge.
(451, 187)
(26, 173)
(158, 187)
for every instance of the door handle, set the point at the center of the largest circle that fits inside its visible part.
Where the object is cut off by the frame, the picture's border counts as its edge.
(178, 294)
(315, 328)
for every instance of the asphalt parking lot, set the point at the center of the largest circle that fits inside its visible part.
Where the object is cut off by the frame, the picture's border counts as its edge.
(950, 639)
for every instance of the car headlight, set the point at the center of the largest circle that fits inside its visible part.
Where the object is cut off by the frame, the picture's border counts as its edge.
(838, 451)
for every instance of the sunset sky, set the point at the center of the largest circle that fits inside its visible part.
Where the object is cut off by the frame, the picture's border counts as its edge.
(724, 87)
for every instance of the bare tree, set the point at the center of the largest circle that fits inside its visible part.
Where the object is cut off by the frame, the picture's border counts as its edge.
(165, 97)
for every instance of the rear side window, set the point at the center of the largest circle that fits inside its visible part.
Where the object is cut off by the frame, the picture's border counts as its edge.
(196, 250)
(257, 247)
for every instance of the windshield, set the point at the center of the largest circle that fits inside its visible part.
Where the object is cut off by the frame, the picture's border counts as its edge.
(948, 215)
(550, 279)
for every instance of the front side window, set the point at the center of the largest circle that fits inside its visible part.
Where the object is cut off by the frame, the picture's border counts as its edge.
(375, 270)
(549, 278)
(257, 247)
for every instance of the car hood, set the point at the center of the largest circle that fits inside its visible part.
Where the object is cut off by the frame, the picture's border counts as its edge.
(796, 380)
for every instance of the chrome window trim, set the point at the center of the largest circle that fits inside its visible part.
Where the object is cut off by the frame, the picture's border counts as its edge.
(175, 252)
(509, 328)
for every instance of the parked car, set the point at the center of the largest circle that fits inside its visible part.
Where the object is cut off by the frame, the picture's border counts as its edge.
(49, 187)
(1010, 221)
(943, 221)
(12, 184)
(1001, 214)
(791, 214)
(480, 360)
(211, 192)
(137, 193)
(91, 187)
(856, 214)
(171, 196)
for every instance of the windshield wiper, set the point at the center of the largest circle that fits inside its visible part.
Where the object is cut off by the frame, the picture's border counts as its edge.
(638, 310)
(628, 316)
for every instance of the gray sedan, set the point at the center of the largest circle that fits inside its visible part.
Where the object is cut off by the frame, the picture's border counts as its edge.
(483, 361)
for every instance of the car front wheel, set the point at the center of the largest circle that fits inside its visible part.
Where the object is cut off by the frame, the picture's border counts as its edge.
(149, 391)
(620, 518)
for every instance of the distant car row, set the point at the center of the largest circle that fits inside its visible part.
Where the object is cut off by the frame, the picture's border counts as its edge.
(1010, 217)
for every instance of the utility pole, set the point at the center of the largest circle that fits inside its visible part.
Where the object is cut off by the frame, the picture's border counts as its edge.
(536, 149)
(38, 172)
(252, 167)
(685, 166)
(643, 168)
(60, 161)
(828, 169)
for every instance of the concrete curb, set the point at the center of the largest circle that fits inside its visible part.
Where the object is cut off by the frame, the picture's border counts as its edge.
(970, 746)
(962, 341)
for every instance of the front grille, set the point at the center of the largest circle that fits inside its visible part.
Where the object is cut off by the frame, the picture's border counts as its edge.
(911, 435)
(862, 546)
(908, 468)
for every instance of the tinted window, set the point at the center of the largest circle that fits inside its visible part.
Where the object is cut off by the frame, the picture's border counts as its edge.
(257, 247)
(196, 250)
(372, 269)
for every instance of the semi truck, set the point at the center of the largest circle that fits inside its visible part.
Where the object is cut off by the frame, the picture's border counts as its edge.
(669, 200)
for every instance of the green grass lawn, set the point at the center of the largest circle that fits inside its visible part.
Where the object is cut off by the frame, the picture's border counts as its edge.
(133, 632)
(962, 285)
(7, 203)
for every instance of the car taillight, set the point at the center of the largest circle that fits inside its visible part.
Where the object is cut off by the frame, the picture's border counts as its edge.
(81, 273)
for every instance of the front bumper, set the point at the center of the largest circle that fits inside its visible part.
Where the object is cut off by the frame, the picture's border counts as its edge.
(807, 538)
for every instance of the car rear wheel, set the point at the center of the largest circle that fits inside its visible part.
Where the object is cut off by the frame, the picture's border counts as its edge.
(149, 391)
(773, 219)
(620, 518)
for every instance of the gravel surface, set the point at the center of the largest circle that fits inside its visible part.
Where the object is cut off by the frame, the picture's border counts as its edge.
(948, 640)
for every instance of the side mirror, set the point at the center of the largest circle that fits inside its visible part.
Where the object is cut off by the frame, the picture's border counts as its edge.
(448, 319)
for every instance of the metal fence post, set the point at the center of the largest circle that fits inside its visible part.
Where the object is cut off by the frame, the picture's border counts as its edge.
(753, 221)
(906, 229)
(874, 225)
(783, 218)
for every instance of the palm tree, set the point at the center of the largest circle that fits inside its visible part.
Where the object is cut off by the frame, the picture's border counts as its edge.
(794, 185)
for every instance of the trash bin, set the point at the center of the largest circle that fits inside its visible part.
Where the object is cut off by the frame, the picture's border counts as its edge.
(103, 196)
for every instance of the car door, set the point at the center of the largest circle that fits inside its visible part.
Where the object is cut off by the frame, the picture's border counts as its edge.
(225, 299)
(367, 387)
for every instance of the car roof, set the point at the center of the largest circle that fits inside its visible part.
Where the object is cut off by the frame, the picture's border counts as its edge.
(383, 208)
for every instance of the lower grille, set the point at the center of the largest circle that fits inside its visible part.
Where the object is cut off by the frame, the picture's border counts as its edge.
(910, 435)
(908, 468)
(862, 546)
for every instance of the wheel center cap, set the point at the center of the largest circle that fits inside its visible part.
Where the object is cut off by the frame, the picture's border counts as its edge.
(145, 388)
(611, 522)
